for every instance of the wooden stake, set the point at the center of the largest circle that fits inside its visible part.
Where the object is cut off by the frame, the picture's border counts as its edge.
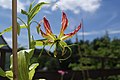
(14, 39)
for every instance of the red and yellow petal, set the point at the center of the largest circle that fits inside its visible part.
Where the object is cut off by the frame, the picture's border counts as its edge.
(64, 24)
(47, 26)
(72, 33)
(50, 37)
(44, 35)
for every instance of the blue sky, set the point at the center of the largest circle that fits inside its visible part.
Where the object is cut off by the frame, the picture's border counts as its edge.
(98, 17)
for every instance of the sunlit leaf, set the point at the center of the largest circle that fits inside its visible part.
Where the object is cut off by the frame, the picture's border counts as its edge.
(22, 26)
(6, 30)
(9, 74)
(24, 12)
(35, 10)
(22, 65)
(24, 57)
(10, 29)
(32, 70)
(29, 54)
(2, 73)
(41, 42)
(30, 7)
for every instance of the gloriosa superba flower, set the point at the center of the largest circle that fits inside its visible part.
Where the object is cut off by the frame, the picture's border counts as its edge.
(58, 40)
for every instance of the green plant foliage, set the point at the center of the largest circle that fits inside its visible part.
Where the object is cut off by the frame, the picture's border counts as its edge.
(99, 47)
(31, 4)
(9, 74)
(6, 30)
(47, 62)
(24, 12)
(2, 45)
(23, 63)
(25, 69)
(33, 11)
(32, 70)
(2, 73)
(22, 66)
(41, 42)
(9, 29)
(38, 28)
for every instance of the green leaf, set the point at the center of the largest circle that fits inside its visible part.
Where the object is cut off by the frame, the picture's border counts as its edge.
(6, 30)
(2, 73)
(22, 26)
(10, 29)
(41, 42)
(31, 5)
(32, 70)
(18, 28)
(2, 45)
(38, 29)
(29, 54)
(24, 57)
(35, 10)
(23, 65)
(9, 74)
(24, 12)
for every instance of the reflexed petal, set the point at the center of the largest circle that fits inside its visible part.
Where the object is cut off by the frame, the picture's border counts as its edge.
(50, 37)
(43, 34)
(64, 24)
(72, 33)
(47, 26)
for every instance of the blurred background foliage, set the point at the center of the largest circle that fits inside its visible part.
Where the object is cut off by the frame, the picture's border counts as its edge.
(101, 53)
(86, 55)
